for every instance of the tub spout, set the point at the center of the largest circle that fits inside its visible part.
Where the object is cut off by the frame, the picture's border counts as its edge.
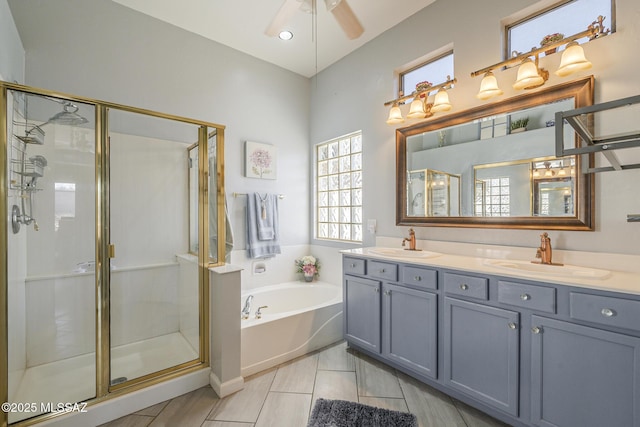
(246, 311)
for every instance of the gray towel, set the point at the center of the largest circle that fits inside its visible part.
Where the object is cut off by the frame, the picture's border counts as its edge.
(257, 247)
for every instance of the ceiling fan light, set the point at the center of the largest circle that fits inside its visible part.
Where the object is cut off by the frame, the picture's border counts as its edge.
(331, 4)
(416, 109)
(395, 115)
(441, 101)
(573, 60)
(528, 76)
(306, 6)
(489, 87)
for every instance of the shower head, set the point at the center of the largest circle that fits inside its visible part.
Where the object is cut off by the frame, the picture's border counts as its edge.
(68, 116)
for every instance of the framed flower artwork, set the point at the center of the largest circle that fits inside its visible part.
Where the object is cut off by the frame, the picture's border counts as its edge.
(260, 160)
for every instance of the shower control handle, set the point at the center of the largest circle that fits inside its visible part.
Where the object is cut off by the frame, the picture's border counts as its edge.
(259, 313)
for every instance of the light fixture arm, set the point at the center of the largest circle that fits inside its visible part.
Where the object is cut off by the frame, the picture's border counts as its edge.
(594, 30)
(414, 94)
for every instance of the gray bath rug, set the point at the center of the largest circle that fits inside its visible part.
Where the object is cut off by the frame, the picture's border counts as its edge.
(341, 413)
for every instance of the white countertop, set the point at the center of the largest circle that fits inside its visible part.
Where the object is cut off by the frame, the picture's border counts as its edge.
(616, 281)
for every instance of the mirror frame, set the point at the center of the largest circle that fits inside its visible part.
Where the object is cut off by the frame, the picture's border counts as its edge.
(582, 92)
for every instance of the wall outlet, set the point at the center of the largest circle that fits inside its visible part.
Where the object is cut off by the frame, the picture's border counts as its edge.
(371, 226)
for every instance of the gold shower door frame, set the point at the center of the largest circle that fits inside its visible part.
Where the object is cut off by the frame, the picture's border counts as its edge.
(104, 249)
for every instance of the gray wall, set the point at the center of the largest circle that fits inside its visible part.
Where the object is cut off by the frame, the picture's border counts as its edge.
(11, 51)
(349, 96)
(102, 50)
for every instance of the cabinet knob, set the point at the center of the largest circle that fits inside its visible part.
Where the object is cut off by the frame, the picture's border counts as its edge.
(464, 286)
(536, 330)
(387, 292)
(352, 265)
(512, 325)
(417, 278)
(376, 289)
(607, 312)
(525, 297)
(382, 270)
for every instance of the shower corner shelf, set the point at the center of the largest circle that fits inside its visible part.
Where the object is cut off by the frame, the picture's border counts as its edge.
(605, 144)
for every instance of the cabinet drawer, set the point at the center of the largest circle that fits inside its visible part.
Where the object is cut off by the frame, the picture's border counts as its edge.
(473, 287)
(617, 312)
(354, 265)
(421, 277)
(538, 298)
(383, 270)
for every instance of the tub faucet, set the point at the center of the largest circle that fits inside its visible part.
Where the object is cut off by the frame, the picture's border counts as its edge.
(246, 311)
(412, 241)
(544, 252)
(259, 313)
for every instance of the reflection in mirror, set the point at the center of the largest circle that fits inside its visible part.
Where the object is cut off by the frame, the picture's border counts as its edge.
(495, 166)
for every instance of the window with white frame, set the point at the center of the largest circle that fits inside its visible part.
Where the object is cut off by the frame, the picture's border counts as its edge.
(566, 19)
(434, 71)
(339, 189)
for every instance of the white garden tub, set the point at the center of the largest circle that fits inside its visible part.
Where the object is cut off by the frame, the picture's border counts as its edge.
(299, 318)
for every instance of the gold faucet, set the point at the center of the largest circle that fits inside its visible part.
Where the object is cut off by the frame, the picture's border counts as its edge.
(412, 241)
(544, 252)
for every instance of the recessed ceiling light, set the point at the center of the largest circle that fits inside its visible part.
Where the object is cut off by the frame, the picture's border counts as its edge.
(285, 35)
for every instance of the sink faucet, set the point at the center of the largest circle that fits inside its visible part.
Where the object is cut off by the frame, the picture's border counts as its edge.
(544, 252)
(412, 241)
(246, 311)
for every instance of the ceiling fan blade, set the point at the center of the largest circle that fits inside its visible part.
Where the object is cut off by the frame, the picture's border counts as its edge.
(347, 19)
(283, 16)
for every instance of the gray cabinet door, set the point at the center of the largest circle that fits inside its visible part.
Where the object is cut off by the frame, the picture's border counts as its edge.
(362, 312)
(583, 376)
(481, 353)
(410, 328)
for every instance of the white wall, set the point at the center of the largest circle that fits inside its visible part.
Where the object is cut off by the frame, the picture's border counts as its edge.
(11, 50)
(365, 79)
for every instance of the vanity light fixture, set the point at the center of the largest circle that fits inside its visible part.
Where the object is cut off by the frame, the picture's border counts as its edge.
(420, 107)
(529, 75)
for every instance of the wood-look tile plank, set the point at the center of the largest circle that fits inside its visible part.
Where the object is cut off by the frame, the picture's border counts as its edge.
(476, 418)
(392, 404)
(285, 410)
(376, 379)
(431, 407)
(190, 409)
(336, 385)
(336, 358)
(226, 424)
(245, 405)
(132, 420)
(297, 376)
(153, 411)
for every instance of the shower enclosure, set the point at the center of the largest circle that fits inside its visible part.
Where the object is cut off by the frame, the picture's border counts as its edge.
(102, 291)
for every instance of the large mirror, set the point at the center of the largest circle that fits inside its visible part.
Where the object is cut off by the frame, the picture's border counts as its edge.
(495, 166)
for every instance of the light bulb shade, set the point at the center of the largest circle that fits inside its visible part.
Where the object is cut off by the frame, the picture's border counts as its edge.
(573, 60)
(416, 109)
(395, 116)
(441, 101)
(489, 87)
(528, 76)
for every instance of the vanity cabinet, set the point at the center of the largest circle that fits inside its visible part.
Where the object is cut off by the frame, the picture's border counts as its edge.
(481, 352)
(525, 351)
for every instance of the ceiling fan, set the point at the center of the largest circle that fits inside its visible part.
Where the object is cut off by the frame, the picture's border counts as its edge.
(340, 9)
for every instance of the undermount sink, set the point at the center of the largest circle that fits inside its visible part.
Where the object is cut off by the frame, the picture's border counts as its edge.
(549, 270)
(403, 253)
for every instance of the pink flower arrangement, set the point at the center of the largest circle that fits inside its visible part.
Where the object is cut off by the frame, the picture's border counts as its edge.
(261, 161)
(308, 265)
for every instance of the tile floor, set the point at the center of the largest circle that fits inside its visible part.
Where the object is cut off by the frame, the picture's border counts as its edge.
(284, 396)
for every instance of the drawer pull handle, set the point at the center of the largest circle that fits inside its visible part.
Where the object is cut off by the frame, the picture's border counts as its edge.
(464, 286)
(417, 278)
(536, 330)
(512, 325)
(525, 297)
(607, 312)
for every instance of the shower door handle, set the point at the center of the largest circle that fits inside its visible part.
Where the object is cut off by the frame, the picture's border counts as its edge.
(112, 250)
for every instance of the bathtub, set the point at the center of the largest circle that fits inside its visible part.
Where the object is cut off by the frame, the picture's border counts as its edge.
(300, 318)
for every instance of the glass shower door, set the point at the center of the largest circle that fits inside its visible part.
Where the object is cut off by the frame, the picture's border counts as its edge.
(50, 253)
(154, 289)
